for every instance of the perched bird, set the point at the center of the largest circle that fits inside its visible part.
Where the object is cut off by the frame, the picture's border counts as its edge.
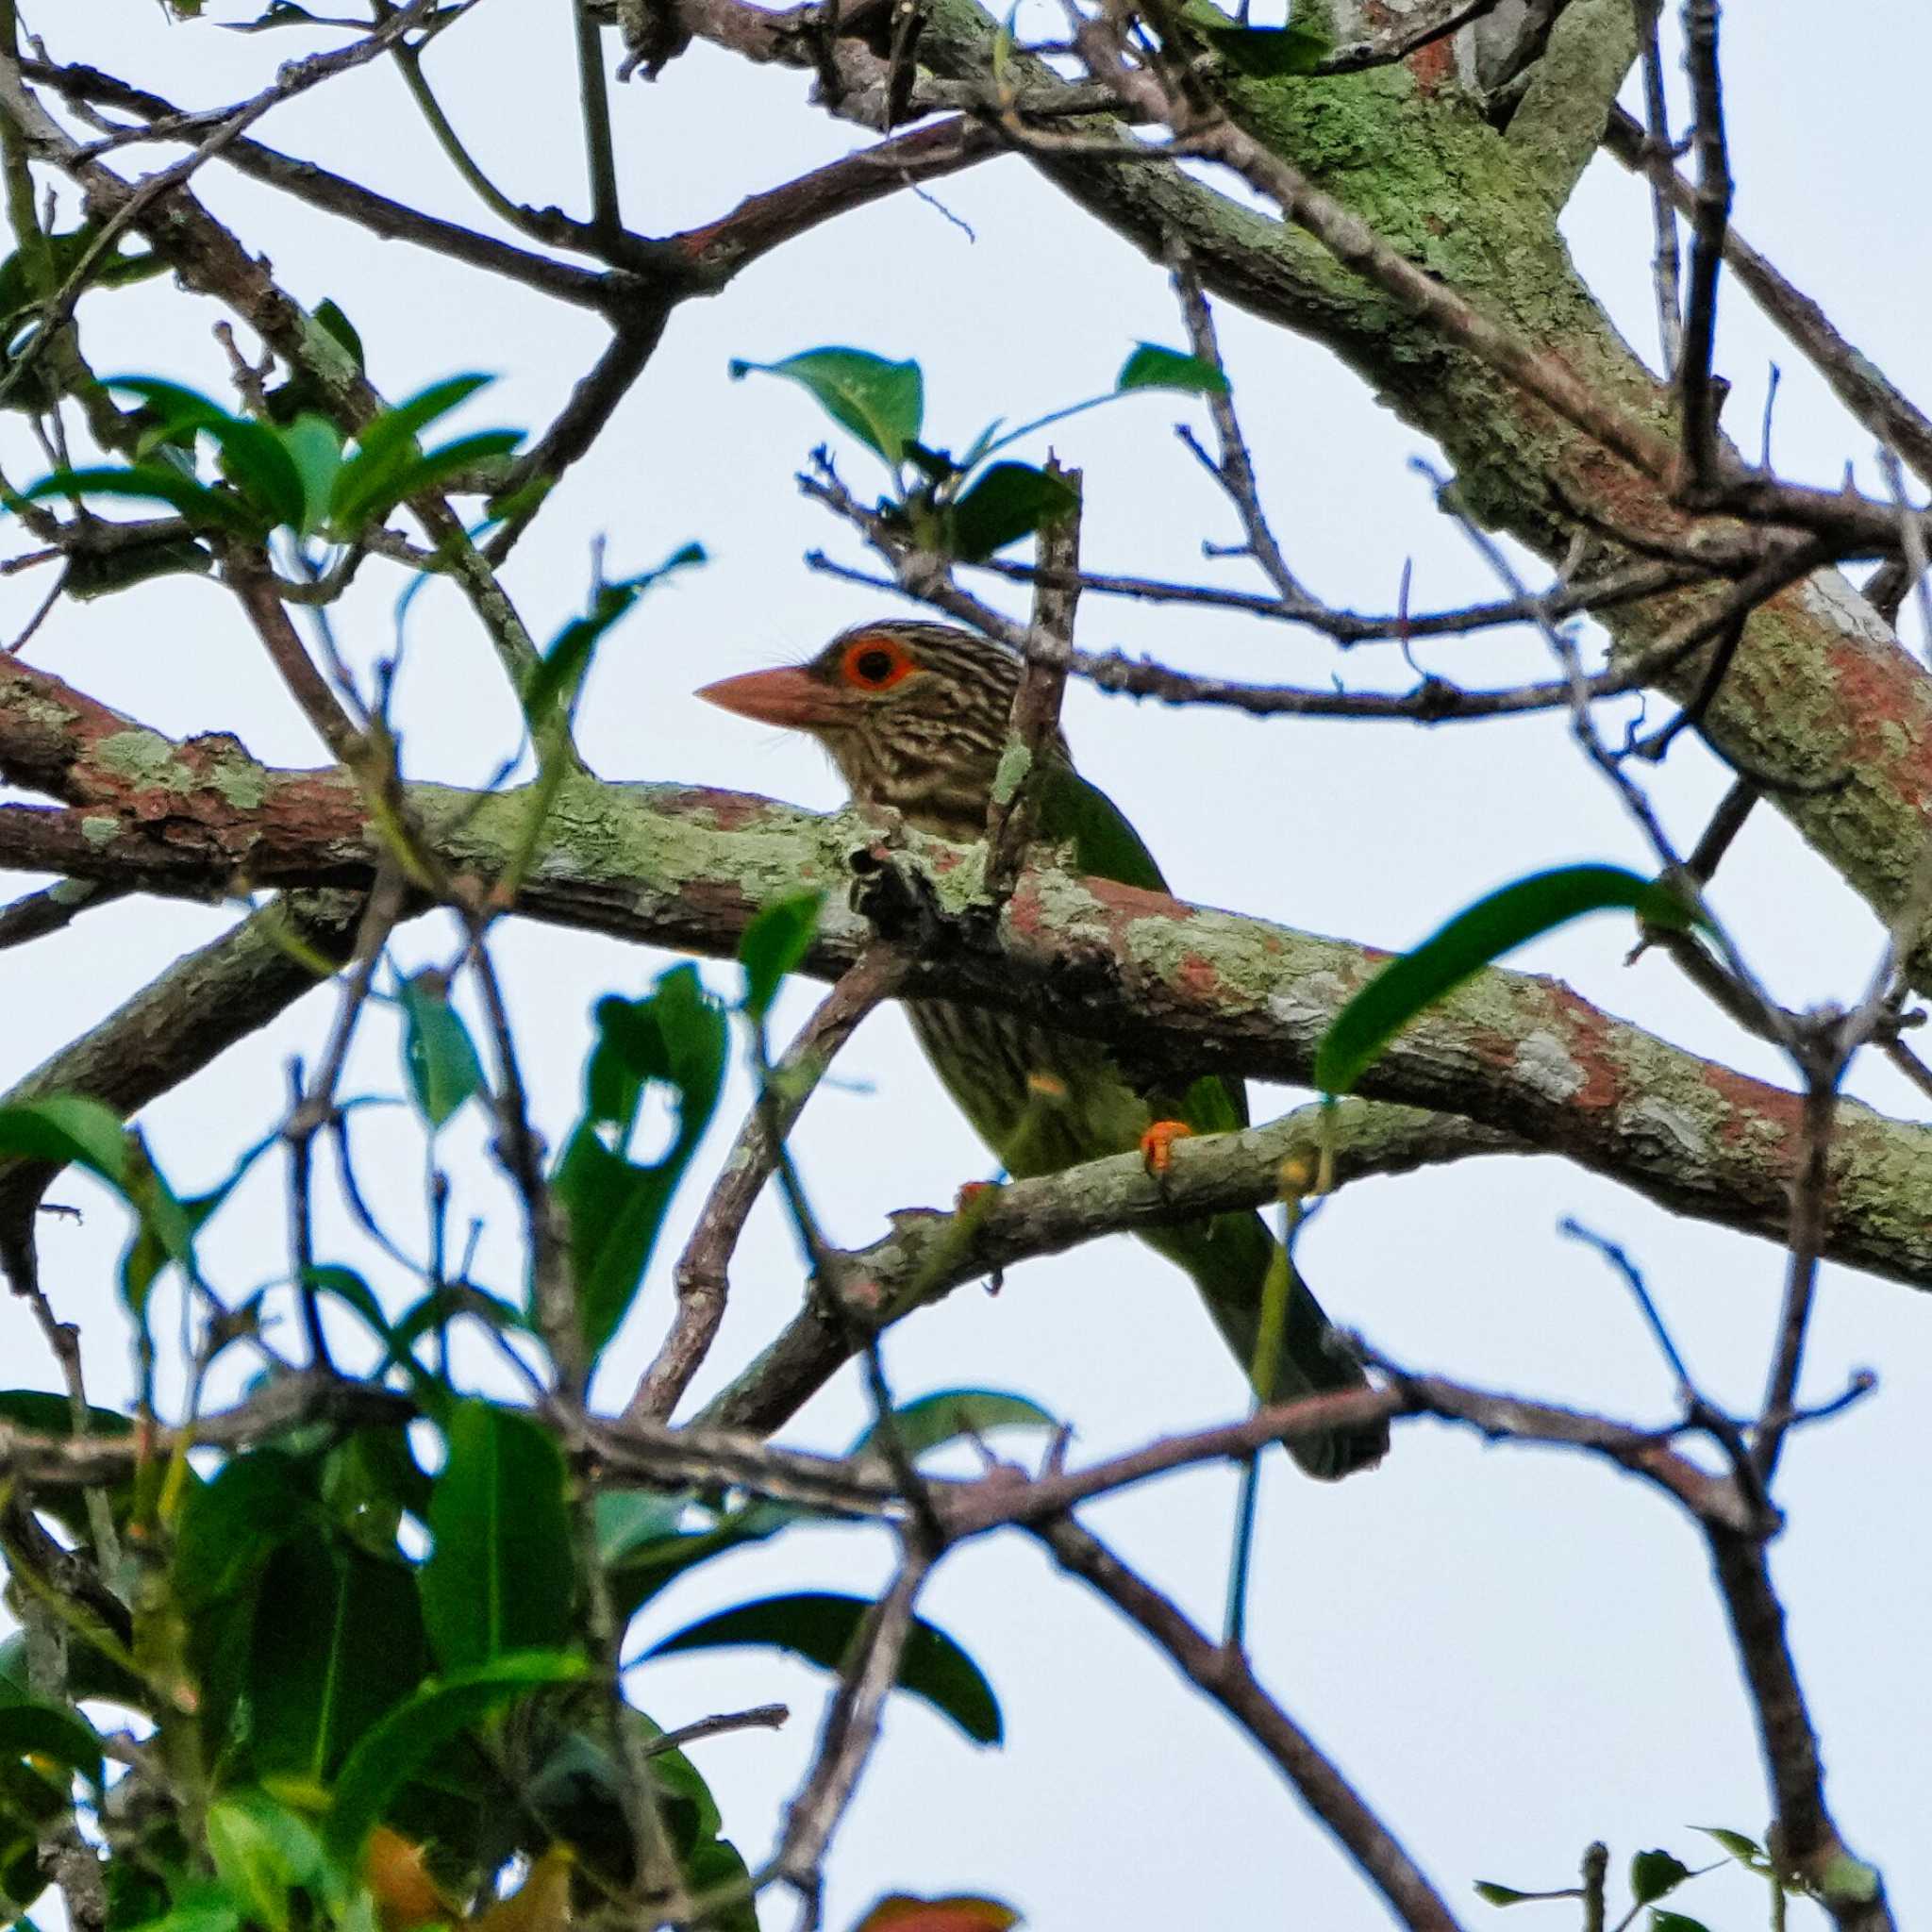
(915, 717)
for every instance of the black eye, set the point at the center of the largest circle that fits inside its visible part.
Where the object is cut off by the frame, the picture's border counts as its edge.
(875, 667)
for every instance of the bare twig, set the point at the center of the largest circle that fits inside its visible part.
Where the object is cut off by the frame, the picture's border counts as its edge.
(1013, 812)
(1710, 217)
(701, 1276)
(1224, 1677)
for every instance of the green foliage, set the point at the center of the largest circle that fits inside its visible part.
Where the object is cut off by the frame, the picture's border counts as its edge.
(551, 690)
(959, 505)
(500, 1578)
(1656, 1875)
(880, 402)
(674, 1038)
(821, 1627)
(439, 1055)
(952, 1415)
(291, 473)
(1153, 367)
(774, 946)
(1494, 925)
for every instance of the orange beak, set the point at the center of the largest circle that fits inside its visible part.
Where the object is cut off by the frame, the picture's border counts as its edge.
(790, 697)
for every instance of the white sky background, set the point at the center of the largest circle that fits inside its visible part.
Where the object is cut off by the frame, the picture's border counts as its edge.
(1511, 1652)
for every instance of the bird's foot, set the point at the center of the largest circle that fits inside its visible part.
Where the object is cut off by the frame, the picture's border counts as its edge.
(1157, 1144)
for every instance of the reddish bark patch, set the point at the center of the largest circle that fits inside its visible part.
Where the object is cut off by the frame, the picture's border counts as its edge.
(1199, 977)
(730, 811)
(1132, 902)
(1433, 66)
(1748, 1101)
(1876, 688)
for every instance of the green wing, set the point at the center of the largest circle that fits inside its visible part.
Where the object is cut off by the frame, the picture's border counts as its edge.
(1105, 846)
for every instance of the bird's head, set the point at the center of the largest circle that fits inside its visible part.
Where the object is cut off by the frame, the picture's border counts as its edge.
(914, 715)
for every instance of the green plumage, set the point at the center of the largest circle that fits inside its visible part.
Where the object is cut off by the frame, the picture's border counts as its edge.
(1045, 1101)
(916, 718)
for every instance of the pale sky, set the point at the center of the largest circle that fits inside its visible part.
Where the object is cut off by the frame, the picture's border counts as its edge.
(1509, 1651)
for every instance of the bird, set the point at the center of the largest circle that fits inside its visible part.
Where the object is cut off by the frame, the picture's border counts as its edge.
(915, 717)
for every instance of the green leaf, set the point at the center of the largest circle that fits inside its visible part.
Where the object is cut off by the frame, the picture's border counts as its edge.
(338, 1645)
(652, 1562)
(630, 1519)
(1010, 501)
(218, 509)
(47, 1414)
(203, 1907)
(1675, 1921)
(1494, 925)
(1655, 1876)
(315, 447)
(42, 1730)
(1747, 1851)
(434, 467)
(1153, 367)
(557, 677)
(406, 1740)
(261, 1852)
(820, 1627)
(775, 944)
(252, 453)
(231, 1525)
(1492, 1894)
(881, 402)
(330, 315)
(614, 1206)
(502, 1576)
(951, 1413)
(1268, 53)
(368, 483)
(69, 1127)
(64, 253)
(438, 1054)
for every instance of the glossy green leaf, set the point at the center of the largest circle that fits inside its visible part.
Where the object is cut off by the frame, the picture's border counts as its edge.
(952, 1413)
(1151, 367)
(615, 1206)
(820, 1627)
(315, 447)
(880, 402)
(368, 1480)
(215, 510)
(337, 1645)
(774, 946)
(502, 1576)
(1492, 927)
(439, 1055)
(1655, 1876)
(1268, 53)
(1675, 1921)
(1008, 502)
(417, 1729)
(42, 1730)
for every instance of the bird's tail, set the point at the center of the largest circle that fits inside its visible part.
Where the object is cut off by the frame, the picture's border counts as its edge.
(1228, 1258)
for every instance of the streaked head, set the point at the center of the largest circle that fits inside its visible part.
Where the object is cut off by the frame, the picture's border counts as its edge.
(914, 715)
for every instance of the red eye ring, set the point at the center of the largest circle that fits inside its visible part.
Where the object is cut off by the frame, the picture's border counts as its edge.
(875, 663)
